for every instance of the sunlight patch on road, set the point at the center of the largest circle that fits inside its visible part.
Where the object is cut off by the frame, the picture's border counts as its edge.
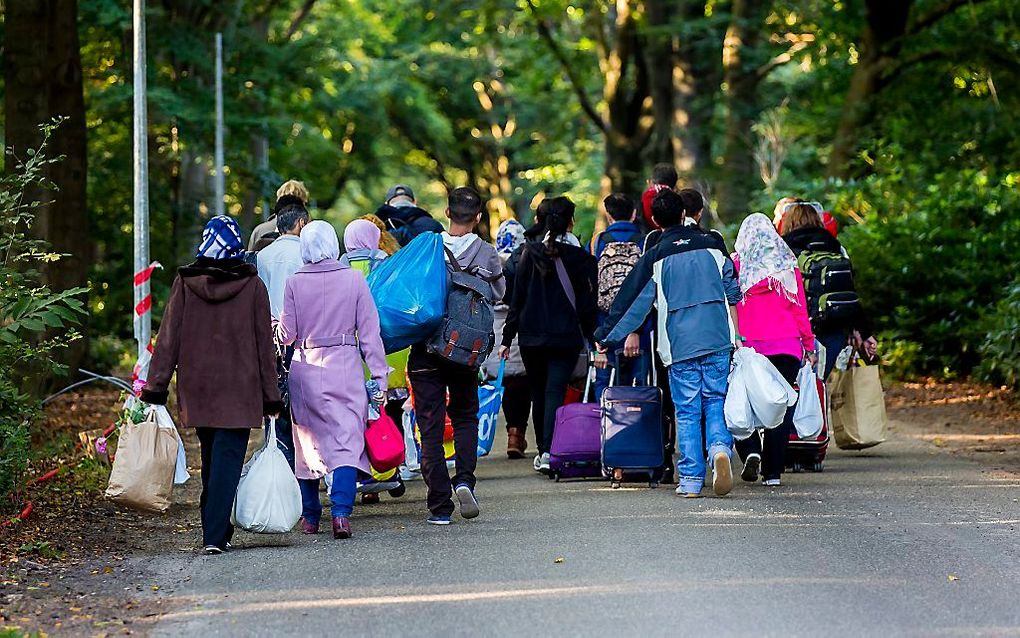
(315, 602)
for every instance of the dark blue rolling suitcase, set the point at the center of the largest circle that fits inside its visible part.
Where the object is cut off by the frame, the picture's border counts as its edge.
(632, 439)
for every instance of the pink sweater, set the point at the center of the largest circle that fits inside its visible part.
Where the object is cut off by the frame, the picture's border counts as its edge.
(771, 323)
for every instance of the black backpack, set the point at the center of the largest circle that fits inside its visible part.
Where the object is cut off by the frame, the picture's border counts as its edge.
(465, 334)
(829, 286)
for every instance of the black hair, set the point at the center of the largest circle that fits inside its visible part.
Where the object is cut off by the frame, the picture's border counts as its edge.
(694, 201)
(668, 209)
(464, 204)
(665, 174)
(619, 206)
(285, 201)
(289, 217)
(558, 214)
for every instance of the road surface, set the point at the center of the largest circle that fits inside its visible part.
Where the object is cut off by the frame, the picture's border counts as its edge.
(898, 540)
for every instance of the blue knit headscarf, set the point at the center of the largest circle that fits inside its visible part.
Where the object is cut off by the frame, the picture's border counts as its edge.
(221, 239)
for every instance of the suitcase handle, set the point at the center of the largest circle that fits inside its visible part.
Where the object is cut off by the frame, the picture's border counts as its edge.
(653, 374)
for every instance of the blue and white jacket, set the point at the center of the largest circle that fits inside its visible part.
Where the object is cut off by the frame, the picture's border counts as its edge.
(690, 282)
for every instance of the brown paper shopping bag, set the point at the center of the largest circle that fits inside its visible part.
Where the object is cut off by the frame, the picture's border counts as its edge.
(143, 470)
(857, 404)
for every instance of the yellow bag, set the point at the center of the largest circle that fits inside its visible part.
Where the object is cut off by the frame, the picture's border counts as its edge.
(857, 404)
(143, 470)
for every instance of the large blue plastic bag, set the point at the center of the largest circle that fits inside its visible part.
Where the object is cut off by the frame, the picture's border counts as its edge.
(409, 290)
(490, 398)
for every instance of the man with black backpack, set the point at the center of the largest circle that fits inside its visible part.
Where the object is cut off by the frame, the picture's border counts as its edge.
(616, 250)
(448, 361)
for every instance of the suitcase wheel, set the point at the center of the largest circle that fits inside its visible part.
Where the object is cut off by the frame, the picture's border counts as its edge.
(556, 477)
(653, 484)
(615, 485)
(818, 466)
(797, 468)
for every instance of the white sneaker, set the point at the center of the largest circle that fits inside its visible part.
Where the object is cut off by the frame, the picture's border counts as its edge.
(542, 463)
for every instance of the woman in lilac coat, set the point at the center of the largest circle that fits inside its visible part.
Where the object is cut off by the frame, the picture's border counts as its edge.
(329, 316)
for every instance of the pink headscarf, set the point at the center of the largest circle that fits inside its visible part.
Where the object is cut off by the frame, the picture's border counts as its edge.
(361, 234)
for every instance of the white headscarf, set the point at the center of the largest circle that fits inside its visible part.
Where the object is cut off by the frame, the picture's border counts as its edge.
(319, 241)
(765, 256)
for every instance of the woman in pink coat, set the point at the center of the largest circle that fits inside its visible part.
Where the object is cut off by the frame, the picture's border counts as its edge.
(774, 321)
(329, 316)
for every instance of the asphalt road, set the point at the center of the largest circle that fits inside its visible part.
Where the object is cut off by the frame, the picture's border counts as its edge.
(898, 540)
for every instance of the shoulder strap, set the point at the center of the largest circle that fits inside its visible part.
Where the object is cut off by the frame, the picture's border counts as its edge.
(568, 288)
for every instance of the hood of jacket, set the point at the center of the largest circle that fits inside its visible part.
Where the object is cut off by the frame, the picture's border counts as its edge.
(217, 280)
(801, 239)
(396, 216)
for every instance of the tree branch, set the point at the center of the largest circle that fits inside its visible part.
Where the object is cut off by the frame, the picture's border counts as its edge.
(937, 13)
(545, 32)
(298, 17)
(799, 43)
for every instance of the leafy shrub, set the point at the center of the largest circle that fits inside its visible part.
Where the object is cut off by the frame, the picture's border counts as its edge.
(33, 319)
(932, 256)
(1000, 351)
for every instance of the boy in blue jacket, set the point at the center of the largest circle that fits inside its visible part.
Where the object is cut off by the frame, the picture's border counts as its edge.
(694, 287)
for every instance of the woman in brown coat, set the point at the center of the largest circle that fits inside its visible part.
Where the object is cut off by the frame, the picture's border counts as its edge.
(217, 334)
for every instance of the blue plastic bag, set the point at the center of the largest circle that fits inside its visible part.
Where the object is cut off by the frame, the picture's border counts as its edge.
(490, 399)
(409, 290)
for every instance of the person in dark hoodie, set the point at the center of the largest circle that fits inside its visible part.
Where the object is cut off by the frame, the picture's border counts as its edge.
(803, 229)
(402, 216)
(217, 335)
(553, 312)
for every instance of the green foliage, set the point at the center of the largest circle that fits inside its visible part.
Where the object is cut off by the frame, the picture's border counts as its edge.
(934, 254)
(1000, 351)
(34, 321)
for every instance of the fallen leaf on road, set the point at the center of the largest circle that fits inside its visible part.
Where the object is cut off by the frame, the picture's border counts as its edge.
(558, 560)
(939, 442)
(952, 577)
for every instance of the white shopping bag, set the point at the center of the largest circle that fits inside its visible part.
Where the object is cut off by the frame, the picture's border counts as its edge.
(163, 418)
(768, 393)
(740, 419)
(268, 496)
(807, 416)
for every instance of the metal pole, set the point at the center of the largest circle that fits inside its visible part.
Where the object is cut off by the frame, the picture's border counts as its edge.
(143, 320)
(220, 187)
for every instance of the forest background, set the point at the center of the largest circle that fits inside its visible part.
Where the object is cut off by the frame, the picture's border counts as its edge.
(900, 116)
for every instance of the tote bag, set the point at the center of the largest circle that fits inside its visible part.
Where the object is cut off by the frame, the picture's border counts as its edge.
(143, 470)
(858, 407)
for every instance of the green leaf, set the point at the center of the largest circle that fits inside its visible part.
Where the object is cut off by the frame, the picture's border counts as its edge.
(33, 324)
(51, 319)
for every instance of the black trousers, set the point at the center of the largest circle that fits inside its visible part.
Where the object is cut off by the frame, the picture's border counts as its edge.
(516, 402)
(773, 453)
(431, 378)
(549, 371)
(222, 458)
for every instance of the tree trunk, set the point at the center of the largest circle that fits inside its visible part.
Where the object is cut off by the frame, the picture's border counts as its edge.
(880, 44)
(43, 80)
(741, 80)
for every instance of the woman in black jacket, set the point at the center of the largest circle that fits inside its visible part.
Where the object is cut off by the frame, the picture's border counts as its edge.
(551, 293)
(803, 231)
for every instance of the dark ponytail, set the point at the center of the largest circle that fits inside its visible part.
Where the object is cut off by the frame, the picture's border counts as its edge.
(559, 213)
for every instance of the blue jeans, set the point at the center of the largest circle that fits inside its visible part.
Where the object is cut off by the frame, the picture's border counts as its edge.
(628, 370)
(341, 496)
(698, 387)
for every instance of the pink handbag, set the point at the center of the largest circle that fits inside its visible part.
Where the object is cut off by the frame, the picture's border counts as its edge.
(384, 444)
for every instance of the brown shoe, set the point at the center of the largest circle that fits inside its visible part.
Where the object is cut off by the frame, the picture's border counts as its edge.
(341, 527)
(515, 443)
(369, 498)
(307, 527)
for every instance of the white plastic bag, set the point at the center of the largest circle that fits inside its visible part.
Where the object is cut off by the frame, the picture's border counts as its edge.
(163, 418)
(740, 419)
(768, 393)
(807, 416)
(268, 497)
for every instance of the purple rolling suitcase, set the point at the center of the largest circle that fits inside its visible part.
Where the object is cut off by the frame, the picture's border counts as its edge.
(576, 450)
